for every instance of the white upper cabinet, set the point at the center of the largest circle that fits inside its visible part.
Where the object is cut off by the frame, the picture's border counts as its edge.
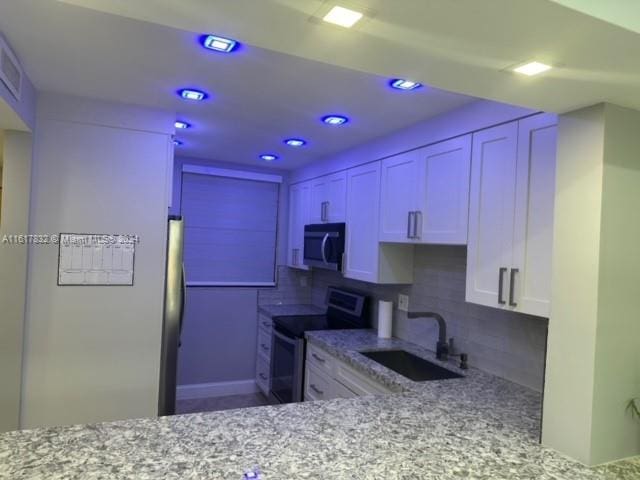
(511, 216)
(363, 200)
(424, 195)
(365, 258)
(398, 197)
(443, 192)
(328, 198)
(491, 212)
(299, 216)
(533, 234)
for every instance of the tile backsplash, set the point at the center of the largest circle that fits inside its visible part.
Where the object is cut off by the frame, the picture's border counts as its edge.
(507, 344)
(293, 287)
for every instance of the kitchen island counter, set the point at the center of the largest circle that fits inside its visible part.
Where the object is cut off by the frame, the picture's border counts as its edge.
(481, 427)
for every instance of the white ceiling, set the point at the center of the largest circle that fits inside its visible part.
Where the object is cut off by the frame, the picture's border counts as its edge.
(258, 97)
(458, 45)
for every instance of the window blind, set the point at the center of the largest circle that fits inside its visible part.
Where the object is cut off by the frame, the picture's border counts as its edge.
(230, 230)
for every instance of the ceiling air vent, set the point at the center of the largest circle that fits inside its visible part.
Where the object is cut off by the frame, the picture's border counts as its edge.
(10, 71)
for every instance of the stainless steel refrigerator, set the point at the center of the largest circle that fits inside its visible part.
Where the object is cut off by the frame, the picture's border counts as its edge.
(174, 301)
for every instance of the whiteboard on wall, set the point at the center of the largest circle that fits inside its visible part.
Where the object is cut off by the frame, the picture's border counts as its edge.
(96, 259)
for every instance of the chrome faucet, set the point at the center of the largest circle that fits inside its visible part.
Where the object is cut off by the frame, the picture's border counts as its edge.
(442, 347)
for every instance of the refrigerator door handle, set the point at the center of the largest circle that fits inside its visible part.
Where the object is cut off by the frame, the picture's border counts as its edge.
(183, 301)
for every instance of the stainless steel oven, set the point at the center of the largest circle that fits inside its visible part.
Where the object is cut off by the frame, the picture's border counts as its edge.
(346, 309)
(324, 245)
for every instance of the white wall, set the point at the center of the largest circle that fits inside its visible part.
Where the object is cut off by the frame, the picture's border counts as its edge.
(92, 353)
(14, 219)
(593, 359)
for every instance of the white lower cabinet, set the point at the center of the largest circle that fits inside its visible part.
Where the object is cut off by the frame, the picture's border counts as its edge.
(263, 354)
(511, 216)
(327, 377)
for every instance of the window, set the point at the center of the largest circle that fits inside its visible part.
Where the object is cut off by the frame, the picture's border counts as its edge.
(230, 222)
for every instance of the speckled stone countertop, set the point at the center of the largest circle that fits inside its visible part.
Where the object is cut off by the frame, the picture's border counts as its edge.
(297, 309)
(479, 427)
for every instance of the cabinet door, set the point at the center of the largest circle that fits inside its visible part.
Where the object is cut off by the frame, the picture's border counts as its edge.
(319, 194)
(336, 197)
(491, 214)
(299, 201)
(363, 201)
(399, 183)
(533, 233)
(443, 192)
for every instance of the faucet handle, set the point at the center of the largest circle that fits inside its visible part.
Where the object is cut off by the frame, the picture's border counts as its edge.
(464, 365)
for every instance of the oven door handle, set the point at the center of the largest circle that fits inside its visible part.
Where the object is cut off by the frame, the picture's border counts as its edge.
(284, 338)
(323, 247)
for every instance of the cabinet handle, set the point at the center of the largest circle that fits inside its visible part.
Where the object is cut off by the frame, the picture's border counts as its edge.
(264, 347)
(501, 273)
(263, 376)
(409, 216)
(318, 358)
(326, 211)
(512, 282)
(316, 389)
(417, 223)
(266, 324)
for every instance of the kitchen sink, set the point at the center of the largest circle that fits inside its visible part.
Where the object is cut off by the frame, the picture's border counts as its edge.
(410, 365)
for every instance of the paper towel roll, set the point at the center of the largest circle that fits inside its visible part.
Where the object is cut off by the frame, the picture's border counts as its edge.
(385, 319)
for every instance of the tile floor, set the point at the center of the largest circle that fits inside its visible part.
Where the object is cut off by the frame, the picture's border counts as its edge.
(213, 404)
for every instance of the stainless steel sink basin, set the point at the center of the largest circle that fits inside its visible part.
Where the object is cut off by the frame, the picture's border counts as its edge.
(410, 365)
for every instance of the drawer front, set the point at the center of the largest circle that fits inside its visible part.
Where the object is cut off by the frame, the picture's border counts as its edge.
(318, 358)
(340, 391)
(264, 342)
(357, 382)
(262, 375)
(264, 322)
(317, 386)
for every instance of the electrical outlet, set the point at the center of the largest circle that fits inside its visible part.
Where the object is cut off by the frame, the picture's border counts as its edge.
(403, 302)
(303, 281)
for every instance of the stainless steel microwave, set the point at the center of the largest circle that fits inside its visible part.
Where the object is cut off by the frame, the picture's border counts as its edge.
(324, 245)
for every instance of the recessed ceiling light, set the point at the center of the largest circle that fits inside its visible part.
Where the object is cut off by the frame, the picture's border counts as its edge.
(219, 44)
(342, 16)
(268, 157)
(335, 119)
(532, 68)
(402, 84)
(177, 143)
(190, 94)
(295, 142)
(181, 125)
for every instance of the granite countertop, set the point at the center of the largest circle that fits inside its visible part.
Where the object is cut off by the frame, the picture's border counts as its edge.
(479, 427)
(297, 309)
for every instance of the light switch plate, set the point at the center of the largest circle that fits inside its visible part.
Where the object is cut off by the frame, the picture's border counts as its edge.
(403, 302)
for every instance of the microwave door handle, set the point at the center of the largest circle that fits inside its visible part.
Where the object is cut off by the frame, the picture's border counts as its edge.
(323, 248)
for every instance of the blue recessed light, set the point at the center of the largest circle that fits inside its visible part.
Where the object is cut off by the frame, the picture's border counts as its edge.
(403, 84)
(181, 125)
(268, 157)
(177, 143)
(295, 142)
(219, 44)
(190, 94)
(335, 119)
